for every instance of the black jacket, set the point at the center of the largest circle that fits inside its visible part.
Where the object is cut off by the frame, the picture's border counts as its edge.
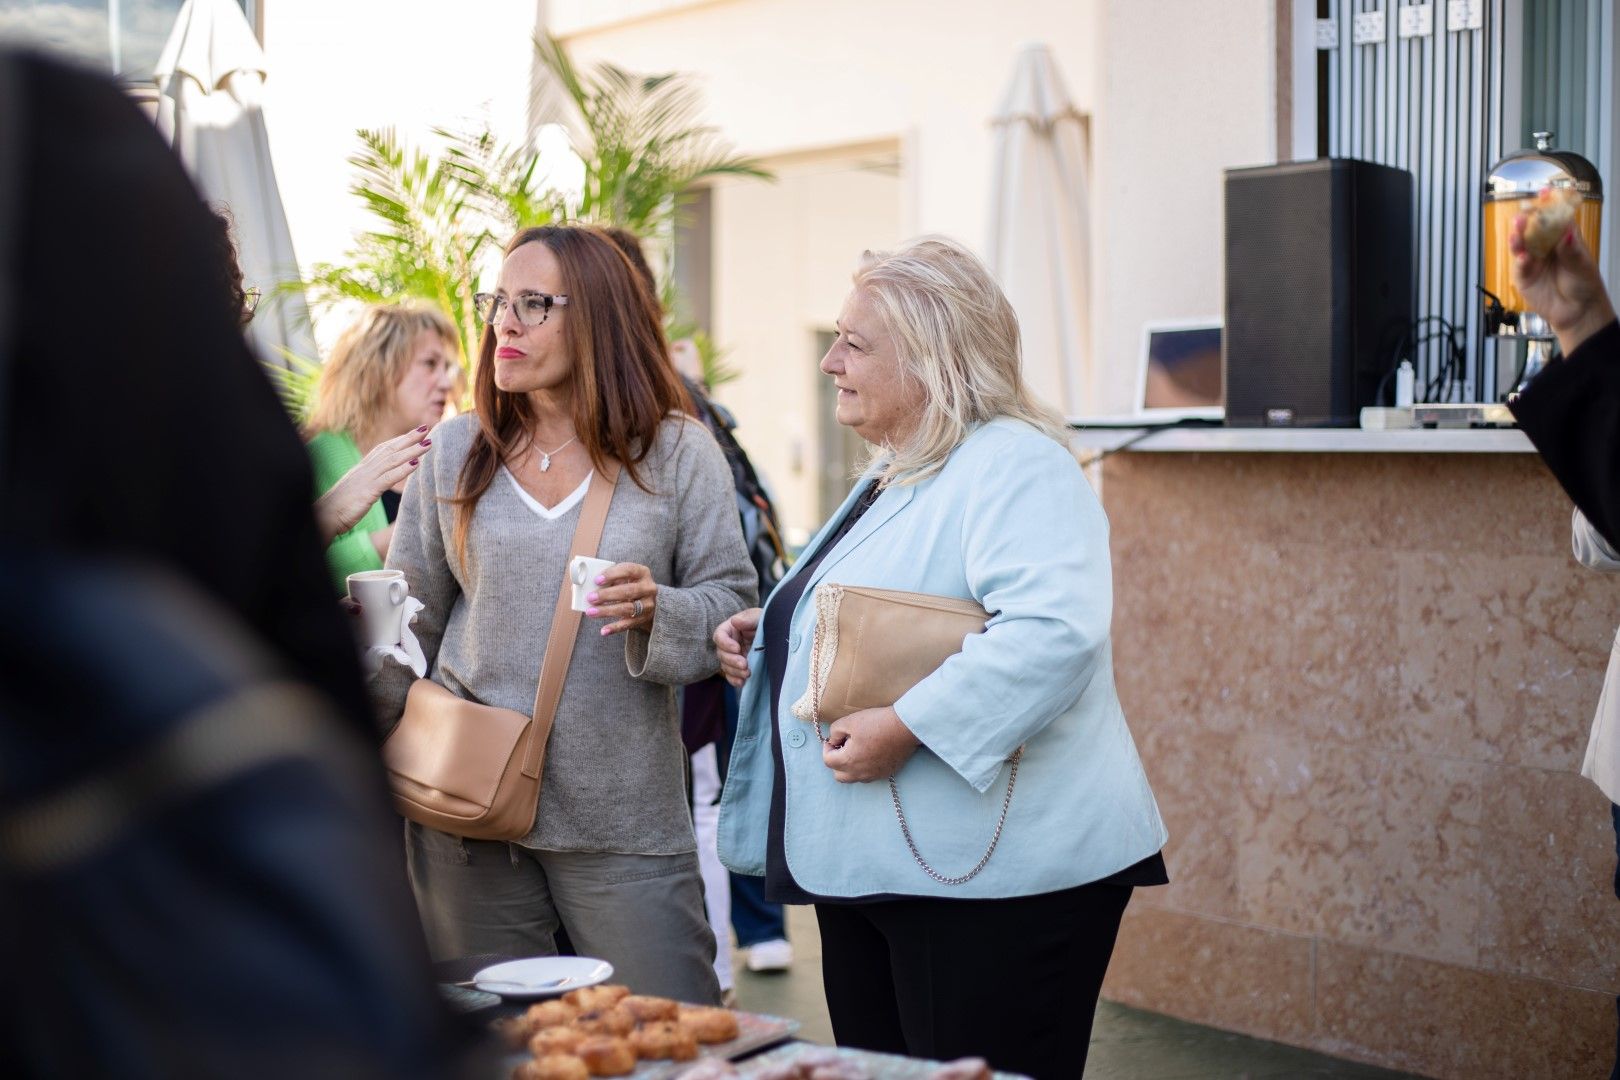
(1572, 414)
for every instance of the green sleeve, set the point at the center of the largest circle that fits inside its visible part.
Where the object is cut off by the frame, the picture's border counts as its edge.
(332, 454)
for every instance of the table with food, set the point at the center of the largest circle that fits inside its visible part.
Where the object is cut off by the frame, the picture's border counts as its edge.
(555, 1028)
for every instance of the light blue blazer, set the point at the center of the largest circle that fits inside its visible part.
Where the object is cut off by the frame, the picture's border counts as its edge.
(1012, 523)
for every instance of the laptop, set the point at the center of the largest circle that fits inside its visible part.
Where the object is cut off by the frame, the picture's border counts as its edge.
(1178, 376)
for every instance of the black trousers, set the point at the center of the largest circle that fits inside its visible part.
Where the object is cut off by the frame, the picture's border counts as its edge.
(1013, 981)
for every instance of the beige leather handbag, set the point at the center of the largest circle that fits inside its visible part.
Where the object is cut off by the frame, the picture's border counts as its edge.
(474, 770)
(870, 647)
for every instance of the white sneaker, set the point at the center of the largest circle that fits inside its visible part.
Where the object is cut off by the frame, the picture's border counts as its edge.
(774, 955)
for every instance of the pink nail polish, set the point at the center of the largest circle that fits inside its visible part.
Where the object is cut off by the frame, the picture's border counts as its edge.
(413, 461)
(590, 611)
(606, 630)
(427, 442)
(601, 578)
(424, 427)
(591, 598)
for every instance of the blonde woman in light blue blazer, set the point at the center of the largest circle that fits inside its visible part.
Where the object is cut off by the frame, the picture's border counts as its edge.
(929, 947)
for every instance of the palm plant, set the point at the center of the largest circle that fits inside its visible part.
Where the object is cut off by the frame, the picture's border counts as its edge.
(436, 219)
(433, 221)
(644, 142)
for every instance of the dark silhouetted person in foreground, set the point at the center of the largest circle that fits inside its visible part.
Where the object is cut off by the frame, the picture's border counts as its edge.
(198, 876)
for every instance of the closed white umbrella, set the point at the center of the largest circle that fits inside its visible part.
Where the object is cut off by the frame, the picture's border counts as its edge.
(211, 83)
(1039, 228)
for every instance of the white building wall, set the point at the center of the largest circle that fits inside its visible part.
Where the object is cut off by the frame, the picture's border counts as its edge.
(783, 255)
(1178, 91)
(783, 76)
(1187, 90)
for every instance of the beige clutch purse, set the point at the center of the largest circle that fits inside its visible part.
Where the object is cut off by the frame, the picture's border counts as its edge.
(872, 645)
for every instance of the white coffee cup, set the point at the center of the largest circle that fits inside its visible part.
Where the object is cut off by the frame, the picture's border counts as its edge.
(582, 574)
(381, 596)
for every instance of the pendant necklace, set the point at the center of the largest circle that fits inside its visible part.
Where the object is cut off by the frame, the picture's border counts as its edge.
(545, 458)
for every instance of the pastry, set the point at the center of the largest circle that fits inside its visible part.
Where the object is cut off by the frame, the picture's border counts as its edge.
(783, 1070)
(552, 1067)
(514, 1031)
(650, 1008)
(613, 1020)
(587, 998)
(556, 1040)
(815, 1058)
(605, 1055)
(549, 1014)
(664, 1040)
(1551, 214)
(709, 1025)
(710, 1069)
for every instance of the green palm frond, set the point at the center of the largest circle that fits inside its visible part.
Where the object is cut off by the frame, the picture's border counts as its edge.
(295, 379)
(500, 181)
(648, 144)
(433, 220)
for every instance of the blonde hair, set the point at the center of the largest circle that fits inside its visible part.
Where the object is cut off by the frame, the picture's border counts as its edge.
(955, 333)
(358, 381)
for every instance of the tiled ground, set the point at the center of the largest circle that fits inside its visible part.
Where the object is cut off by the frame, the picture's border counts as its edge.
(1126, 1044)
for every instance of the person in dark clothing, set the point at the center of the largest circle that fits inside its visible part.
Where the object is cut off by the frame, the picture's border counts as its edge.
(1571, 412)
(198, 876)
(141, 423)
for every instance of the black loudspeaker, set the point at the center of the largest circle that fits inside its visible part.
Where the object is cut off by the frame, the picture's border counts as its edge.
(1319, 289)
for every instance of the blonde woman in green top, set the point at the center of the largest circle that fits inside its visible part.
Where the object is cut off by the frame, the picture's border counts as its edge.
(388, 381)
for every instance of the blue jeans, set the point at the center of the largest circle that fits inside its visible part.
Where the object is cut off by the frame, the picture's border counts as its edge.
(754, 918)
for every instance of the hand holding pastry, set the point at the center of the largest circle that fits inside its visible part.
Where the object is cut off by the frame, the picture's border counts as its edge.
(1561, 284)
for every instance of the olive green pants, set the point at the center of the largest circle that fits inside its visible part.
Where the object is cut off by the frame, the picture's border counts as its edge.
(643, 914)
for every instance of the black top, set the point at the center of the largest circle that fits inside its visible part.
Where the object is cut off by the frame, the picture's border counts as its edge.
(165, 316)
(1571, 412)
(780, 888)
(390, 501)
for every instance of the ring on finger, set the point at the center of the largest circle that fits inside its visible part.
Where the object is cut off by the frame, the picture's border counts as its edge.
(636, 609)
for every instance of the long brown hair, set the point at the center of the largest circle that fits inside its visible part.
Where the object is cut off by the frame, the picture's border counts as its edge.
(624, 383)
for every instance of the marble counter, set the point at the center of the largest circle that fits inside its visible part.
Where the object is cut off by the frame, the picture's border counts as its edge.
(1362, 684)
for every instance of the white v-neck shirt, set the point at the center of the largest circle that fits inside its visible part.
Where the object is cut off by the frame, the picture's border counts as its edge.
(567, 504)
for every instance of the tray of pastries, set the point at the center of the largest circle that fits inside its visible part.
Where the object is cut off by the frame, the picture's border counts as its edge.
(606, 1030)
(805, 1061)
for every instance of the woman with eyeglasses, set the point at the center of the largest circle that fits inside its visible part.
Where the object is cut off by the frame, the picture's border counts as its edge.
(573, 378)
(388, 381)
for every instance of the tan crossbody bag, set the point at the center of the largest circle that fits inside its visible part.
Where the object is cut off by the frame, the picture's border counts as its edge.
(872, 645)
(474, 770)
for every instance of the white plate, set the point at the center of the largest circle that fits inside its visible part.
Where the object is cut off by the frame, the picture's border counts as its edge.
(542, 976)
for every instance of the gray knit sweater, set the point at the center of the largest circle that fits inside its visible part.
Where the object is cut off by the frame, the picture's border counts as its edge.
(613, 770)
